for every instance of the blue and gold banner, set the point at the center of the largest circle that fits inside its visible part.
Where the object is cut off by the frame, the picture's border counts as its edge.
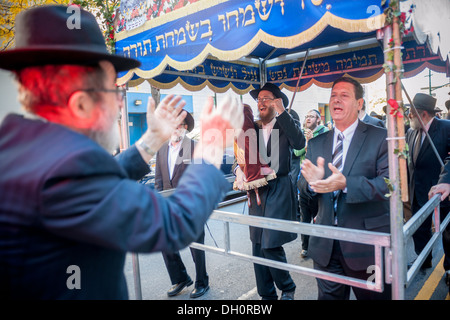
(364, 64)
(231, 29)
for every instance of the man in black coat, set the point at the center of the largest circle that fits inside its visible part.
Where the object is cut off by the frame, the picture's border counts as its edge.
(69, 211)
(277, 133)
(424, 167)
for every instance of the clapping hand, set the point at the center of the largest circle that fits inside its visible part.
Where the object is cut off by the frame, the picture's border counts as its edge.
(314, 176)
(219, 126)
(162, 122)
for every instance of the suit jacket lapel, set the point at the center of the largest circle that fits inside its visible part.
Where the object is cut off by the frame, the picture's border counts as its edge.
(165, 165)
(328, 155)
(355, 146)
(276, 126)
(164, 156)
(182, 154)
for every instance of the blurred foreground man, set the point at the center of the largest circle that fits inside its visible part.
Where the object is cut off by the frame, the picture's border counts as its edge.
(69, 211)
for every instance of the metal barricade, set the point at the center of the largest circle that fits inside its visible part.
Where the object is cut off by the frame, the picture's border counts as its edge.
(378, 274)
(377, 239)
(414, 223)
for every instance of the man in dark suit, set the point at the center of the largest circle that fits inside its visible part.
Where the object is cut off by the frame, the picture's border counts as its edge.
(443, 187)
(364, 117)
(277, 133)
(424, 167)
(69, 211)
(171, 162)
(350, 190)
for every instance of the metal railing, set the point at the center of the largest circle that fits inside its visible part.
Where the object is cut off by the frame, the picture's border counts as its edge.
(381, 242)
(414, 223)
(377, 239)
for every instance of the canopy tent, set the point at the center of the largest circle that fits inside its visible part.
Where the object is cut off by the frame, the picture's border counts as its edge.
(240, 44)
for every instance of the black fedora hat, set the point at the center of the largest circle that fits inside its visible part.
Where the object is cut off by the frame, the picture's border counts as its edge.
(189, 121)
(274, 89)
(425, 102)
(59, 34)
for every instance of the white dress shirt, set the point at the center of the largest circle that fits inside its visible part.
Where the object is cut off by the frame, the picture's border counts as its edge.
(348, 136)
(172, 156)
(267, 130)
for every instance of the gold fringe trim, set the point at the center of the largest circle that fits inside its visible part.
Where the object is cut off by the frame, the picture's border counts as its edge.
(204, 84)
(255, 183)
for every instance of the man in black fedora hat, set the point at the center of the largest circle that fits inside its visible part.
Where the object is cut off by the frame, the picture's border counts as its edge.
(171, 161)
(277, 134)
(69, 211)
(424, 167)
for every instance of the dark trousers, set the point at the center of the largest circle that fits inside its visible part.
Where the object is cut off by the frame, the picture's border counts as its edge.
(267, 276)
(424, 234)
(308, 210)
(446, 239)
(177, 270)
(329, 290)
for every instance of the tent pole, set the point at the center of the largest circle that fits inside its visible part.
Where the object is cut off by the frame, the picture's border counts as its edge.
(126, 145)
(298, 80)
(397, 254)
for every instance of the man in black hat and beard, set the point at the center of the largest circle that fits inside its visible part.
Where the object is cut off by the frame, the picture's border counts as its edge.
(69, 211)
(277, 133)
(424, 167)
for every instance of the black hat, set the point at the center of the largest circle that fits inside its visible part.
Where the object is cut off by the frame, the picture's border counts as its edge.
(425, 102)
(57, 34)
(189, 121)
(274, 89)
(294, 115)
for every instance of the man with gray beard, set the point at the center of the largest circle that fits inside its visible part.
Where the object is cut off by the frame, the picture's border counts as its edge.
(69, 211)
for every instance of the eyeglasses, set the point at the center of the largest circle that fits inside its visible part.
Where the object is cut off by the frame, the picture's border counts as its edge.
(263, 100)
(120, 92)
(311, 117)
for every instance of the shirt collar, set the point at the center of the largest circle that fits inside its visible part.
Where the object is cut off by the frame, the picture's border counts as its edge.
(348, 133)
(177, 147)
(428, 125)
(270, 124)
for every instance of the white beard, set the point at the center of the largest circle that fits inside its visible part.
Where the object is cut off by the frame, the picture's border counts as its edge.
(106, 132)
(177, 136)
(414, 123)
